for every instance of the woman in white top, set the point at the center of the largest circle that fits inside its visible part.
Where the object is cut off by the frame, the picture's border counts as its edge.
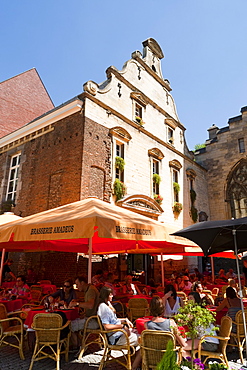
(171, 301)
(110, 321)
(129, 287)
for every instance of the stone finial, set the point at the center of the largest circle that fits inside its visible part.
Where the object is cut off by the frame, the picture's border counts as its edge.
(212, 131)
(152, 54)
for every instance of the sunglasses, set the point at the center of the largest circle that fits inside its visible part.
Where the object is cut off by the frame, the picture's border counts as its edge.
(66, 286)
(18, 281)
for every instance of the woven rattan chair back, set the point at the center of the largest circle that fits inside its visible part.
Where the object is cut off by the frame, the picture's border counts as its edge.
(91, 334)
(238, 336)
(223, 335)
(182, 295)
(3, 315)
(11, 327)
(153, 347)
(36, 287)
(49, 341)
(137, 307)
(35, 296)
(224, 332)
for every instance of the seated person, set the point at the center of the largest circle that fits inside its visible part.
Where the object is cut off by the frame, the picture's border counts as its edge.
(158, 322)
(206, 299)
(110, 321)
(233, 303)
(110, 282)
(21, 289)
(90, 304)
(221, 276)
(64, 296)
(31, 277)
(230, 274)
(7, 270)
(98, 279)
(129, 287)
(186, 285)
(171, 302)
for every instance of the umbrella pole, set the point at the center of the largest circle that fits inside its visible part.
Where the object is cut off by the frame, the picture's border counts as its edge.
(240, 289)
(1, 267)
(162, 271)
(212, 268)
(90, 248)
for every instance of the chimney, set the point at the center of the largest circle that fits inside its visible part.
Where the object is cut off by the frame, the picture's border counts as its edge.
(212, 131)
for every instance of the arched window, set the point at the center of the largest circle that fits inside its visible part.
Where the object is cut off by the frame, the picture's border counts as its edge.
(236, 193)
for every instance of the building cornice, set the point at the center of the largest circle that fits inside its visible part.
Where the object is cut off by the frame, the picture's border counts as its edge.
(40, 126)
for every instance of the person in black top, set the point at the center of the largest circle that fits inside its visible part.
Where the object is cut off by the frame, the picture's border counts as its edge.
(65, 295)
(245, 271)
(7, 270)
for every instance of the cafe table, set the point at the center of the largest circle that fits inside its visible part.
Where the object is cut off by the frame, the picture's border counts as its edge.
(140, 325)
(71, 315)
(8, 284)
(13, 305)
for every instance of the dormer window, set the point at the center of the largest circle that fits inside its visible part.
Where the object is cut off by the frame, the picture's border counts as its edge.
(138, 113)
(139, 105)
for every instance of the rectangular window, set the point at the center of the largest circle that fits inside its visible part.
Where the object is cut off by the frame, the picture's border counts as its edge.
(175, 179)
(13, 177)
(156, 189)
(119, 174)
(170, 137)
(241, 145)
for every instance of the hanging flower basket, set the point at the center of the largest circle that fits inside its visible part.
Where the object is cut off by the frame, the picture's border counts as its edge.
(119, 189)
(176, 187)
(139, 120)
(177, 208)
(156, 178)
(119, 163)
(158, 198)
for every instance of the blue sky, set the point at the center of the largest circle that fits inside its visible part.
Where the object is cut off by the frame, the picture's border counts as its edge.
(71, 42)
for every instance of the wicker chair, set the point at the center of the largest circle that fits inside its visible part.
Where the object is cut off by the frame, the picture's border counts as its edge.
(100, 337)
(153, 347)
(183, 296)
(91, 336)
(36, 287)
(6, 330)
(215, 292)
(45, 282)
(49, 341)
(224, 336)
(137, 307)
(238, 338)
(35, 296)
(119, 307)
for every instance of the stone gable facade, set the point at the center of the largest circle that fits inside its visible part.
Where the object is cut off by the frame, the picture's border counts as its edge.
(224, 158)
(70, 153)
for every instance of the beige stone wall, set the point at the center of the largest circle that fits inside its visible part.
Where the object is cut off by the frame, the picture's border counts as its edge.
(220, 156)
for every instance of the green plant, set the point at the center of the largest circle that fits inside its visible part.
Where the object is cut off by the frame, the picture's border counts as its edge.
(193, 316)
(216, 366)
(194, 213)
(156, 178)
(177, 207)
(139, 120)
(168, 361)
(176, 187)
(119, 189)
(158, 198)
(192, 195)
(119, 163)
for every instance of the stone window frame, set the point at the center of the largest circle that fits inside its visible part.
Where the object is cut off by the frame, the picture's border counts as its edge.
(121, 137)
(175, 167)
(156, 157)
(241, 145)
(170, 130)
(13, 176)
(139, 104)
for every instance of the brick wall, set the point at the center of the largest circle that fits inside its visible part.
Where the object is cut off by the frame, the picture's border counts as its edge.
(22, 98)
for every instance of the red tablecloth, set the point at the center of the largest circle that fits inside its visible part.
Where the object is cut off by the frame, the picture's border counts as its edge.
(219, 314)
(124, 298)
(13, 305)
(140, 323)
(71, 314)
(48, 288)
(8, 284)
